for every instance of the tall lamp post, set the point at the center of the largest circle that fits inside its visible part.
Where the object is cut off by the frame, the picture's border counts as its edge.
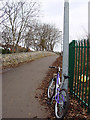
(66, 42)
(89, 19)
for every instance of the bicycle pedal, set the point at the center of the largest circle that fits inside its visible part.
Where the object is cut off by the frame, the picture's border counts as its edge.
(49, 103)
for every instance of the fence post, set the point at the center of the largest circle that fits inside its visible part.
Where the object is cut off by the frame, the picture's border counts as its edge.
(81, 60)
(71, 64)
(88, 43)
(83, 71)
(78, 68)
(76, 64)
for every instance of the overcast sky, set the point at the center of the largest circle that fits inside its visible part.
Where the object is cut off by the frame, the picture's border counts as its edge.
(53, 12)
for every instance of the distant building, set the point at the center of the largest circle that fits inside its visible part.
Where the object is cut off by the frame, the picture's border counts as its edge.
(89, 19)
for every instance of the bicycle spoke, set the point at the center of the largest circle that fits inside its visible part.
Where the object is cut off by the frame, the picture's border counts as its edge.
(61, 105)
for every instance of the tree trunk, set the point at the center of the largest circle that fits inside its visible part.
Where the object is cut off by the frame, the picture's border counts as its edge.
(16, 48)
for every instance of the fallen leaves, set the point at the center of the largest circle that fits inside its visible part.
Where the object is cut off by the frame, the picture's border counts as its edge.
(75, 111)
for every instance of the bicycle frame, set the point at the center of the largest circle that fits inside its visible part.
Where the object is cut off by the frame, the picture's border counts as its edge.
(58, 93)
(58, 87)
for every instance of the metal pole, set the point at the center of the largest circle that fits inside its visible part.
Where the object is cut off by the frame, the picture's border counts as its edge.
(89, 19)
(66, 42)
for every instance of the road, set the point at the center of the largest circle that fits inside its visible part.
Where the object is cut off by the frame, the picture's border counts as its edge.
(19, 88)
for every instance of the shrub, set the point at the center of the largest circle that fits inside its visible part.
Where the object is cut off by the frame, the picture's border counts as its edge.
(4, 51)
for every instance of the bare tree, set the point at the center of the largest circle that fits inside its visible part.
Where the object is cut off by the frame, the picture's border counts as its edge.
(7, 40)
(49, 36)
(42, 37)
(2, 11)
(54, 37)
(19, 15)
(30, 37)
(19, 25)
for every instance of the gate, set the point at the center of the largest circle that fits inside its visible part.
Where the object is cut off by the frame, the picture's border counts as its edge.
(79, 71)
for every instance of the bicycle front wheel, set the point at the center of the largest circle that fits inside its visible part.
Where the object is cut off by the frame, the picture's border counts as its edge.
(51, 88)
(62, 106)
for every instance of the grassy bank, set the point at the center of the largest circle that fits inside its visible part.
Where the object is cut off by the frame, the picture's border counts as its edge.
(13, 60)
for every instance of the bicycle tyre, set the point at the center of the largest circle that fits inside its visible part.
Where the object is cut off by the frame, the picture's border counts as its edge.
(51, 88)
(62, 107)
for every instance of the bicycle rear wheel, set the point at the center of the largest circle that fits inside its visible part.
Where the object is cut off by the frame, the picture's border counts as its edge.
(51, 88)
(62, 106)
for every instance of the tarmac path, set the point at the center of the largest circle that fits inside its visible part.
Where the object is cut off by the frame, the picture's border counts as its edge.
(19, 88)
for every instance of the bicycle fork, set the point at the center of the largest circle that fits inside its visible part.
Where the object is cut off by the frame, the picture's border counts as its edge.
(56, 91)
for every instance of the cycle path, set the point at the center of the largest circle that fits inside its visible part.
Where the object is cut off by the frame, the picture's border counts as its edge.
(19, 86)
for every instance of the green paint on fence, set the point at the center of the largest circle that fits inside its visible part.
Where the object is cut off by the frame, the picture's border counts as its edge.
(87, 72)
(79, 63)
(81, 69)
(71, 65)
(76, 68)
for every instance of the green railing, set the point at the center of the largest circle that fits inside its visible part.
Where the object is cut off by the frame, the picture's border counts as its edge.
(79, 71)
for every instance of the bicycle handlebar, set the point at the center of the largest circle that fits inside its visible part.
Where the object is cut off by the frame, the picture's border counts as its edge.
(53, 67)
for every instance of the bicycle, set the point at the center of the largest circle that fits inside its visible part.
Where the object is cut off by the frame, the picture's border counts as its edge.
(56, 90)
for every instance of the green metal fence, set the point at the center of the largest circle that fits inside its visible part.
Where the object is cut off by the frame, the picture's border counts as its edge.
(79, 71)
